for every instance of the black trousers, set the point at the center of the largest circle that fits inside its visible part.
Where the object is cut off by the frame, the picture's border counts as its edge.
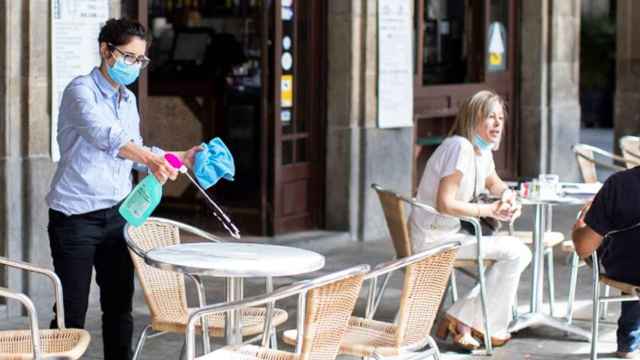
(78, 244)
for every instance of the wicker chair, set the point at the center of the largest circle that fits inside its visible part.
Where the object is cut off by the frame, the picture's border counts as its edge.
(588, 164)
(630, 146)
(425, 281)
(34, 343)
(628, 292)
(393, 206)
(164, 291)
(326, 304)
(590, 157)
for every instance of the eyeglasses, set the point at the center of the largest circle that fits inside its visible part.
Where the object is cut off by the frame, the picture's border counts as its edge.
(131, 59)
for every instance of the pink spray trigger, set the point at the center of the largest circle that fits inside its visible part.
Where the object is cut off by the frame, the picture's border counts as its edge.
(173, 160)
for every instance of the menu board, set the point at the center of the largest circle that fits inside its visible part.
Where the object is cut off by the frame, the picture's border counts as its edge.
(75, 25)
(395, 64)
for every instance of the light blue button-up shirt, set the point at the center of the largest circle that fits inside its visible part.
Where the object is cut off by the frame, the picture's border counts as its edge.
(94, 122)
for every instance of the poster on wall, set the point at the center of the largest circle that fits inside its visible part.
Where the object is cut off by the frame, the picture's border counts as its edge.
(75, 25)
(395, 64)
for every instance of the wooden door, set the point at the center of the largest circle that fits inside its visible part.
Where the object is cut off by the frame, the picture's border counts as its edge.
(453, 62)
(298, 46)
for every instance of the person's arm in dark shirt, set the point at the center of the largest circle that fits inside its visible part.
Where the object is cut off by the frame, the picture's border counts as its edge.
(595, 220)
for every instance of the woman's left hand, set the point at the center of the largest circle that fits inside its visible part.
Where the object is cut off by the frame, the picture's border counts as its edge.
(517, 211)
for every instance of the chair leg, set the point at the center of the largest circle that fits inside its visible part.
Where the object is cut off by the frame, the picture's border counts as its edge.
(572, 286)
(183, 351)
(141, 339)
(453, 287)
(514, 307)
(273, 341)
(434, 347)
(485, 312)
(551, 283)
(605, 305)
(596, 316)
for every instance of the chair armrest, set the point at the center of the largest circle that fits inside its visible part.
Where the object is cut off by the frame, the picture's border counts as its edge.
(33, 317)
(299, 288)
(602, 153)
(199, 232)
(473, 221)
(189, 228)
(57, 285)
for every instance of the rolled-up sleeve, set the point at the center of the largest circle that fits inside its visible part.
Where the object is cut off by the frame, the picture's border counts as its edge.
(143, 167)
(91, 121)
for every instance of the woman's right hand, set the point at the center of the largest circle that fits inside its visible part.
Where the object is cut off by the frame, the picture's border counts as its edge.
(500, 210)
(162, 170)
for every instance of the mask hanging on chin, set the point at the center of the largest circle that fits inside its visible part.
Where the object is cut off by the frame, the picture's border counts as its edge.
(482, 144)
(122, 73)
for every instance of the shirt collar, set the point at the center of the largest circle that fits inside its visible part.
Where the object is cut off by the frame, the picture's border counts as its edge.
(105, 87)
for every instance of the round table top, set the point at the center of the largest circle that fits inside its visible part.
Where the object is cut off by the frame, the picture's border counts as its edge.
(235, 259)
(559, 200)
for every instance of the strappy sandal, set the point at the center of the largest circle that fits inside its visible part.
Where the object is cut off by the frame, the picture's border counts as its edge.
(448, 326)
(495, 341)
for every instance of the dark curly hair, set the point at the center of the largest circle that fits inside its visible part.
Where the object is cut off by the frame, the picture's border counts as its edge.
(120, 31)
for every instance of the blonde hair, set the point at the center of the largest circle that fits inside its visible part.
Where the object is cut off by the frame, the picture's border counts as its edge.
(474, 109)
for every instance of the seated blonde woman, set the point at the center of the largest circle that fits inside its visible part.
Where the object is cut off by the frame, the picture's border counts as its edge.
(460, 168)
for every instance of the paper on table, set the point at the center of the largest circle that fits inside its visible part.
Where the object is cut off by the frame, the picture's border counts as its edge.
(581, 188)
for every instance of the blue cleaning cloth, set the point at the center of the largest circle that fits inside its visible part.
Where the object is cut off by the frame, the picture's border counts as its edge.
(212, 163)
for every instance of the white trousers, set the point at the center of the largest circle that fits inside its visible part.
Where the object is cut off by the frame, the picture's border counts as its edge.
(501, 281)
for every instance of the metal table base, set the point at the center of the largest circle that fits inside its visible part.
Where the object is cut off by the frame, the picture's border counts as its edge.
(536, 317)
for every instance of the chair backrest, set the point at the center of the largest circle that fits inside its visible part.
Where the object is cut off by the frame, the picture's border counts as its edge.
(328, 303)
(424, 284)
(586, 166)
(394, 214)
(164, 291)
(328, 310)
(630, 146)
(587, 161)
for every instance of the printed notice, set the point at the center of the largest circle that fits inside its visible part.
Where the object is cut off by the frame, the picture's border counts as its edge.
(395, 64)
(75, 26)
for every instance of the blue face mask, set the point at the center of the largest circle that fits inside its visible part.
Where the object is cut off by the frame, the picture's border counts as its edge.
(122, 73)
(482, 144)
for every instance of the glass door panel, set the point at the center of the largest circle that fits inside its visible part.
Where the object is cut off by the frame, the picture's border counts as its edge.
(450, 41)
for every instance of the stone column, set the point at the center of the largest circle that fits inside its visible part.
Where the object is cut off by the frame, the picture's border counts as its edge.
(564, 87)
(550, 105)
(25, 158)
(358, 153)
(12, 120)
(534, 54)
(627, 97)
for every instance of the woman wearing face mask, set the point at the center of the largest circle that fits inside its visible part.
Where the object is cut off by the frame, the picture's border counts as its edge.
(100, 143)
(461, 167)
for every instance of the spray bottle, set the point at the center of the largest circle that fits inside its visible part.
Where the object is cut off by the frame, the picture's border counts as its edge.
(145, 197)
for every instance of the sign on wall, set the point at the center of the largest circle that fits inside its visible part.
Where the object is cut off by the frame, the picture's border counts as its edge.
(75, 25)
(395, 63)
(497, 51)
